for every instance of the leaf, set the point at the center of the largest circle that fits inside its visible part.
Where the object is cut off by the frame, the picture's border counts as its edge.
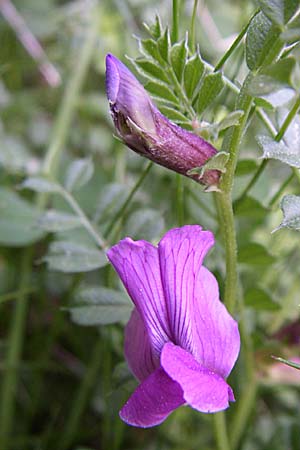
(272, 78)
(161, 91)
(72, 257)
(245, 167)
(259, 299)
(18, 220)
(193, 71)
(259, 33)
(278, 98)
(292, 31)
(280, 151)
(39, 184)
(230, 120)
(78, 174)
(279, 11)
(290, 206)
(54, 221)
(178, 56)
(249, 207)
(15, 157)
(216, 162)
(148, 47)
(111, 199)
(150, 70)
(164, 45)
(210, 88)
(100, 306)
(288, 363)
(155, 30)
(173, 114)
(146, 223)
(255, 254)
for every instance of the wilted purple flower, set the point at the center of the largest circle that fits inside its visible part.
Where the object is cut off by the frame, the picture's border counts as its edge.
(180, 342)
(148, 132)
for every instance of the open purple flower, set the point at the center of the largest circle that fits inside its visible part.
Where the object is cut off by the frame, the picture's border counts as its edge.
(148, 132)
(180, 342)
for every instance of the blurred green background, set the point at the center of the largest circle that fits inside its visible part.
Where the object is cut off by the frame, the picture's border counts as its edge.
(67, 382)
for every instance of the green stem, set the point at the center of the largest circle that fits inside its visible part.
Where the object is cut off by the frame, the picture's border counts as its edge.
(192, 27)
(12, 362)
(59, 137)
(201, 204)
(123, 208)
(245, 406)
(84, 219)
(280, 191)
(227, 226)
(221, 431)
(180, 199)
(288, 120)
(234, 45)
(79, 403)
(175, 21)
(14, 295)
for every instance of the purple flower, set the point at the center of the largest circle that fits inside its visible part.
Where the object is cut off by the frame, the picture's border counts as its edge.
(146, 131)
(180, 342)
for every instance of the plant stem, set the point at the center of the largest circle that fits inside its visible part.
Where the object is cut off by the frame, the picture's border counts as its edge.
(123, 208)
(280, 191)
(175, 21)
(14, 295)
(234, 45)
(84, 219)
(192, 27)
(14, 349)
(79, 403)
(180, 197)
(221, 431)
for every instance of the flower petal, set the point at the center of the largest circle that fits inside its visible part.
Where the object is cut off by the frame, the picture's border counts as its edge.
(139, 354)
(137, 265)
(203, 389)
(128, 94)
(199, 322)
(181, 252)
(152, 401)
(216, 334)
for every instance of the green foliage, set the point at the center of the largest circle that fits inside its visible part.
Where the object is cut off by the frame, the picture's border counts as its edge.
(290, 205)
(260, 31)
(177, 79)
(71, 257)
(100, 306)
(280, 151)
(259, 299)
(78, 174)
(279, 11)
(18, 220)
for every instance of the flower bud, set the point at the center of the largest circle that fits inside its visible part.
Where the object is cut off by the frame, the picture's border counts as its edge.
(145, 130)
